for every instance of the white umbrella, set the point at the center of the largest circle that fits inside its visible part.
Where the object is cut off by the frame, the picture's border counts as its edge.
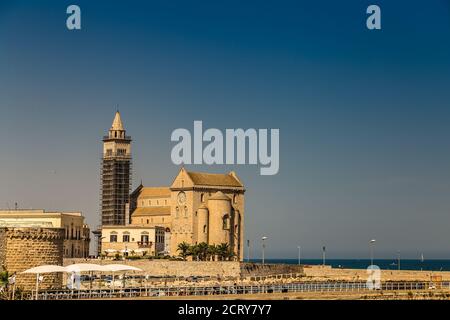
(110, 250)
(85, 267)
(120, 267)
(44, 269)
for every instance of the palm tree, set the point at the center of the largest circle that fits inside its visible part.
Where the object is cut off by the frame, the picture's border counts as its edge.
(194, 251)
(184, 249)
(202, 250)
(223, 251)
(212, 251)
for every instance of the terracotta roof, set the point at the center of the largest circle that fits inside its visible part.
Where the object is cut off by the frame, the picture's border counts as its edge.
(213, 179)
(151, 211)
(154, 192)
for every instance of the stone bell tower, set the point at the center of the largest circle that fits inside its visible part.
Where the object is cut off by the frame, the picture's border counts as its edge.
(115, 174)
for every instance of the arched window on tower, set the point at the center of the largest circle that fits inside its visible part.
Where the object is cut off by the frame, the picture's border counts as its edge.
(202, 198)
(205, 229)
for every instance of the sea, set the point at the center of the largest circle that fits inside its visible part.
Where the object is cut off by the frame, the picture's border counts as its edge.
(384, 264)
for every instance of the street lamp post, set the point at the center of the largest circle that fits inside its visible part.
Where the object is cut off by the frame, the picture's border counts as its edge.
(248, 250)
(323, 254)
(299, 254)
(372, 243)
(263, 247)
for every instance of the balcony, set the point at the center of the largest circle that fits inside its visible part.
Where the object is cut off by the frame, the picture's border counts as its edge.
(144, 244)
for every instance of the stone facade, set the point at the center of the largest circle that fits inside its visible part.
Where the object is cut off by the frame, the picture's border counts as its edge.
(76, 231)
(131, 239)
(197, 207)
(24, 248)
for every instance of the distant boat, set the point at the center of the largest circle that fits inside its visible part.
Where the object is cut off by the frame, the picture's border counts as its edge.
(421, 258)
(393, 264)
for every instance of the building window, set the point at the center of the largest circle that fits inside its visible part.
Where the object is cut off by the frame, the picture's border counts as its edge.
(202, 197)
(147, 221)
(226, 222)
(185, 212)
(144, 237)
(126, 238)
(235, 198)
(204, 229)
(113, 238)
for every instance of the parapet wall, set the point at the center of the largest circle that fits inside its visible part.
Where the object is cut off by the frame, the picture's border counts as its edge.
(162, 268)
(200, 268)
(257, 270)
(24, 248)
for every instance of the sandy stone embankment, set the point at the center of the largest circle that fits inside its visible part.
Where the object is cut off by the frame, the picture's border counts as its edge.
(324, 273)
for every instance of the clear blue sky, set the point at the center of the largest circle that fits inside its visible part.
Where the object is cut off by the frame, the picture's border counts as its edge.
(363, 115)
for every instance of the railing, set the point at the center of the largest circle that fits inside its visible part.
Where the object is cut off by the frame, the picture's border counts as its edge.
(144, 244)
(196, 290)
(118, 138)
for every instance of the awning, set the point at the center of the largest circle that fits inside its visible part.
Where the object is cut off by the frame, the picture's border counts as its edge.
(45, 269)
(120, 267)
(85, 267)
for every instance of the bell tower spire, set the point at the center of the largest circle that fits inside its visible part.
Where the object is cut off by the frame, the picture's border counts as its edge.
(117, 131)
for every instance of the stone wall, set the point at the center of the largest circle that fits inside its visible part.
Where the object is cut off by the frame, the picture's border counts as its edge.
(24, 248)
(325, 273)
(200, 268)
(175, 268)
(256, 269)
(2, 248)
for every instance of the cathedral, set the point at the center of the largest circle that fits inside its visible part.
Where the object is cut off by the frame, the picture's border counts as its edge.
(196, 207)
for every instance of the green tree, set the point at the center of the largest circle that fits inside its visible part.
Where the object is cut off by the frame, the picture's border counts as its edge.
(203, 250)
(4, 277)
(194, 251)
(211, 252)
(184, 250)
(223, 251)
